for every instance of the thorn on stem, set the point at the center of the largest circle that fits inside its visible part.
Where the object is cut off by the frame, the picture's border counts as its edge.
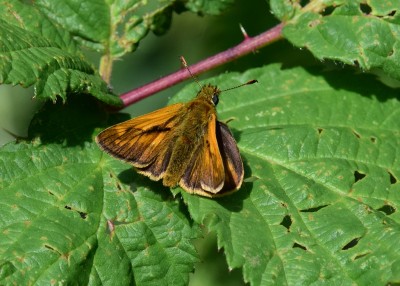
(183, 61)
(244, 33)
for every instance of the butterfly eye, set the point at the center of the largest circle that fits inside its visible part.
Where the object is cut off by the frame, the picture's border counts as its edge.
(215, 99)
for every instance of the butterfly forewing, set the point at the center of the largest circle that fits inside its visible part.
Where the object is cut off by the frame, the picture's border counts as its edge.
(139, 141)
(156, 169)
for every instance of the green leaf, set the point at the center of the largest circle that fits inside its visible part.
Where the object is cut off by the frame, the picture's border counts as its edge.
(283, 10)
(212, 7)
(68, 124)
(70, 214)
(41, 43)
(323, 203)
(28, 18)
(117, 27)
(319, 205)
(29, 59)
(353, 32)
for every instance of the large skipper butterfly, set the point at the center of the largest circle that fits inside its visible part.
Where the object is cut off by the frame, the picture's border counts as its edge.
(183, 144)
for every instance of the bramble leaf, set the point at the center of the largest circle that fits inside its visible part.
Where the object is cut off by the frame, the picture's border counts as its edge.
(365, 35)
(321, 185)
(41, 42)
(212, 7)
(322, 198)
(117, 27)
(71, 214)
(29, 59)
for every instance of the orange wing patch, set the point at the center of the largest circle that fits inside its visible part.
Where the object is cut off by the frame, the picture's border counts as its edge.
(140, 140)
(205, 174)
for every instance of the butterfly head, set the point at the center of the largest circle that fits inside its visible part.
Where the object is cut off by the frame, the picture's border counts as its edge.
(209, 93)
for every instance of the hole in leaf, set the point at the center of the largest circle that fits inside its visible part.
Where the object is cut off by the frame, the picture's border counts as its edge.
(320, 130)
(356, 63)
(391, 53)
(356, 134)
(286, 222)
(50, 193)
(373, 139)
(328, 11)
(387, 209)
(365, 8)
(358, 176)
(83, 215)
(119, 187)
(393, 179)
(351, 244)
(296, 245)
(303, 3)
(313, 210)
(391, 14)
(361, 255)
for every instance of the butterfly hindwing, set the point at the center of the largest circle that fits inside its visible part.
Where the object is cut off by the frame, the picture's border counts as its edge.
(205, 173)
(233, 165)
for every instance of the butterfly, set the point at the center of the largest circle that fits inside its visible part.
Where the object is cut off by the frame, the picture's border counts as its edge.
(183, 144)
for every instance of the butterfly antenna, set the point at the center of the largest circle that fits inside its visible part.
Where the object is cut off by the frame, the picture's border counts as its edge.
(246, 83)
(184, 63)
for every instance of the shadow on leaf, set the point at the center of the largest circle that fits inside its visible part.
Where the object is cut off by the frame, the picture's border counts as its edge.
(366, 85)
(134, 180)
(234, 202)
(72, 123)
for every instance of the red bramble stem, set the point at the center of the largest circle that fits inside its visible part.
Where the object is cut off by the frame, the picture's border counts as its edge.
(248, 45)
